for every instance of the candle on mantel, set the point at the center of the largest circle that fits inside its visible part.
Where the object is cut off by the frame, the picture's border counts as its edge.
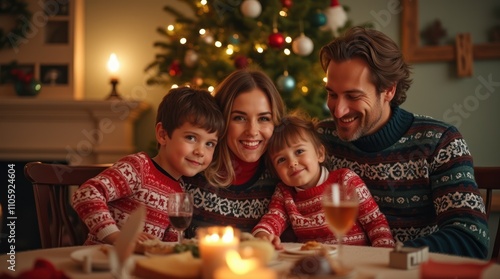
(113, 67)
(213, 243)
(238, 268)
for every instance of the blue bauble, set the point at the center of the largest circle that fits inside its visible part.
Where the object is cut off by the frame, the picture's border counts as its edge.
(234, 39)
(318, 19)
(285, 83)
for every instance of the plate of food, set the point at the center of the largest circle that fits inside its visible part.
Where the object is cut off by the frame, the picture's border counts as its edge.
(155, 247)
(98, 256)
(310, 248)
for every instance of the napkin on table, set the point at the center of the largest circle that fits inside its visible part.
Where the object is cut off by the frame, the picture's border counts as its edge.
(42, 269)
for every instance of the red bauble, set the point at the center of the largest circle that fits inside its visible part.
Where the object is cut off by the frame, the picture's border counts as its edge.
(175, 68)
(276, 40)
(241, 62)
(286, 3)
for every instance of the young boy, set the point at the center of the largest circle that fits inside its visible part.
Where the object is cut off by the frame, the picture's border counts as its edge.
(188, 126)
(295, 153)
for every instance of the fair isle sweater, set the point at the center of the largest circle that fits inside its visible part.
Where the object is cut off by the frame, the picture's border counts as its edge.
(303, 211)
(105, 201)
(240, 206)
(420, 172)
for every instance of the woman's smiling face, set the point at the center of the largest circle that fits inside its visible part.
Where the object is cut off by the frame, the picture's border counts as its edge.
(250, 125)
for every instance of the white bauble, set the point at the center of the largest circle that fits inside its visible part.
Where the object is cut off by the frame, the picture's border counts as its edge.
(251, 8)
(191, 58)
(302, 45)
(336, 18)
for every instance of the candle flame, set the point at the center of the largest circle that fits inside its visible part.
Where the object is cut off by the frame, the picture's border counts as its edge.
(239, 265)
(113, 64)
(227, 237)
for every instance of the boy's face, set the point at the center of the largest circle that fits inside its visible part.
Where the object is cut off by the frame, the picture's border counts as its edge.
(298, 165)
(188, 152)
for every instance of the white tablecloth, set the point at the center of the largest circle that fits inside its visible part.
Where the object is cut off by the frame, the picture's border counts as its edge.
(369, 262)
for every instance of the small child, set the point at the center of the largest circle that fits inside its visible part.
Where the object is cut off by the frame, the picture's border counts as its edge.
(295, 152)
(188, 126)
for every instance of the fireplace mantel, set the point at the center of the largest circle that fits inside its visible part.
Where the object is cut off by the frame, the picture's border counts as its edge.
(79, 132)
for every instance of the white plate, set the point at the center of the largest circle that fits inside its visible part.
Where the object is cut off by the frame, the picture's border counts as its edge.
(99, 258)
(297, 251)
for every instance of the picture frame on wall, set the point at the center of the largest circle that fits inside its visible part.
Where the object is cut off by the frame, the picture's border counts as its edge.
(54, 74)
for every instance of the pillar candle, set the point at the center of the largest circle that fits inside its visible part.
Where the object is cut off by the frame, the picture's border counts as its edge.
(213, 243)
(259, 273)
(247, 268)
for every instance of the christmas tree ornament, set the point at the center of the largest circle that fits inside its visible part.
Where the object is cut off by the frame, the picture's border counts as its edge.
(336, 17)
(302, 45)
(241, 62)
(175, 68)
(234, 39)
(191, 58)
(318, 19)
(285, 82)
(251, 8)
(276, 40)
(287, 3)
(198, 81)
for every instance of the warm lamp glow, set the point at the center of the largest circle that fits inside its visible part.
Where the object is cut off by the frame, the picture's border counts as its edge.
(113, 64)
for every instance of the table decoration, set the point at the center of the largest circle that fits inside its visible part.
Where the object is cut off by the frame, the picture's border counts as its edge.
(214, 242)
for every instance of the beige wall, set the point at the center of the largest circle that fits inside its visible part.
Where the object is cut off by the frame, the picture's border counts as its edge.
(128, 28)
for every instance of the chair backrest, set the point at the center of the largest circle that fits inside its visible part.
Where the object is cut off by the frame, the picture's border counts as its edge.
(488, 178)
(58, 223)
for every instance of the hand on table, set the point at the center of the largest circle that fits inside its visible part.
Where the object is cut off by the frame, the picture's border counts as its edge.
(274, 239)
(139, 248)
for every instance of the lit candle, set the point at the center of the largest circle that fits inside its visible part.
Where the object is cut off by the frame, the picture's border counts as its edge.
(238, 268)
(113, 66)
(214, 242)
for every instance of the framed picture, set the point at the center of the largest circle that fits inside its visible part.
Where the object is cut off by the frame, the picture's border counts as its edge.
(56, 8)
(57, 32)
(54, 74)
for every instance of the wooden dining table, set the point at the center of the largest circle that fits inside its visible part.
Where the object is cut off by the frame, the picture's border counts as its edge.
(368, 262)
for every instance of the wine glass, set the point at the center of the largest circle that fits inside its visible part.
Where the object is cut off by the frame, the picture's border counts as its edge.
(180, 212)
(340, 204)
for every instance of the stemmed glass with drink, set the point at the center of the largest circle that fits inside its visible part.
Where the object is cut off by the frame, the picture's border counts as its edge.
(180, 212)
(340, 204)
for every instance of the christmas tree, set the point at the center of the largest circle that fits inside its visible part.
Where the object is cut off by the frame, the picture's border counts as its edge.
(281, 37)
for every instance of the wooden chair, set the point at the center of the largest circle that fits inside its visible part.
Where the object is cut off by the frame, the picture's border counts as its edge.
(58, 223)
(488, 178)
